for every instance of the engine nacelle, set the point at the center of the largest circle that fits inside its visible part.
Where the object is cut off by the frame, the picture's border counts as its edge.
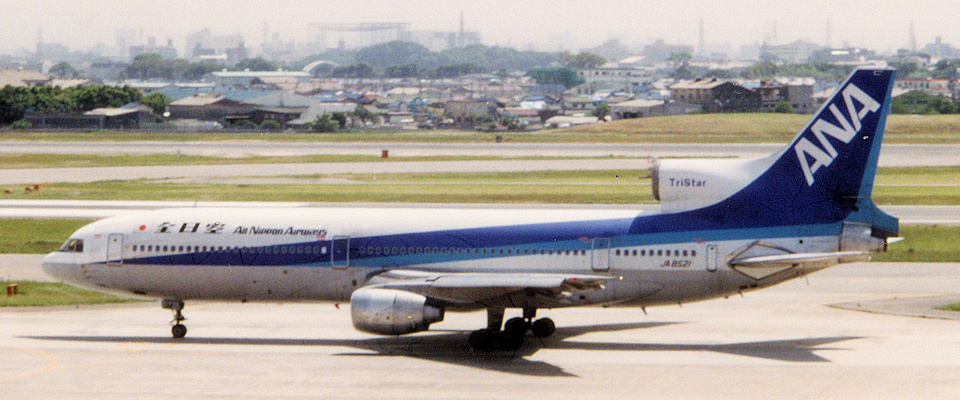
(686, 184)
(392, 312)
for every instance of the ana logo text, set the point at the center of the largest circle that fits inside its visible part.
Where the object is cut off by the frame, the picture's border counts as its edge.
(824, 154)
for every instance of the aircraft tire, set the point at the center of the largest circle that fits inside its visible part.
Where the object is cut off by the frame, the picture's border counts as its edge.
(516, 327)
(179, 331)
(543, 327)
(482, 339)
(510, 342)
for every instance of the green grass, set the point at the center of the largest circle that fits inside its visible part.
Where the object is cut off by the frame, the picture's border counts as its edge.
(698, 128)
(32, 294)
(950, 307)
(36, 236)
(895, 186)
(924, 243)
(23, 161)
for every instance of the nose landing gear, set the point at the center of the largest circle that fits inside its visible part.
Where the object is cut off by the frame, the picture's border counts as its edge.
(178, 330)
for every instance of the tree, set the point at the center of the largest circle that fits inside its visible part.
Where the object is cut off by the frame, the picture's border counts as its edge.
(15, 101)
(556, 76)
(904, 69)
(358, 71)
(196, 71)
(457, 70)
(362, 113)
(917, 102)
(64, 70)
(403, 71)
(946, 69)
(783, 108)
(148, 66)
(87, 98)
(271, 125)
(340, 118)
(324, 124)
(601, 111)
(156, 101)
(584, 60)
(395, 53)
(761, 70)
(255, 64)
(680, 62)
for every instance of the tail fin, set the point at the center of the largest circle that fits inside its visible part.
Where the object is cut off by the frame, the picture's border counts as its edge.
(826, 173)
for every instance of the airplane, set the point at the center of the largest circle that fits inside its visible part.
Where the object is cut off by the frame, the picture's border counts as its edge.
(726, 226)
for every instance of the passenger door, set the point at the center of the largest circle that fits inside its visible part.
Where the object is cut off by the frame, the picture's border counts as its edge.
(115, 249)
(340, 252)
(600, 254)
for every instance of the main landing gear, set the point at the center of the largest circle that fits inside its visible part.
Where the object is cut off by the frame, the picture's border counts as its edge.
(178, 330)
(511, 337)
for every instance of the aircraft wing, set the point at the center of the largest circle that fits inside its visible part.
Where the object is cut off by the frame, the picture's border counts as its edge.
(467, 288)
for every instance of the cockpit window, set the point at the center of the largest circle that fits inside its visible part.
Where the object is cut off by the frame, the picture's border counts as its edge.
(72, 246)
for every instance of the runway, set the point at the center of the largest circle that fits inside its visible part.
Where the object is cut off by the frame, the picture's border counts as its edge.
(785, 342)
(892, 155)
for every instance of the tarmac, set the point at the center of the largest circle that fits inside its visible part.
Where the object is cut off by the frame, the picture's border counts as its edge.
(791, 341)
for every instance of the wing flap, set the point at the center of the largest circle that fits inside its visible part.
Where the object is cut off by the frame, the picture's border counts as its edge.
(476, 287)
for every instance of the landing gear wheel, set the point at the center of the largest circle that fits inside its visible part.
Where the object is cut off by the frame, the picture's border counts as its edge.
(179, 331)
(510, 342)
(516, 327)
(482, 339)
(543, 327)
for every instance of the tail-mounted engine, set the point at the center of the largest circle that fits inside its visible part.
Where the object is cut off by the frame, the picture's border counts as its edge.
(685, 184)
(392, 312)
(861, 237)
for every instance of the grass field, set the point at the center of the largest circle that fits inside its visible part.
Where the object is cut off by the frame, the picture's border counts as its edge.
(54, 294)
(712, 128)
(895, 186)
(950, 307)
(24, 161)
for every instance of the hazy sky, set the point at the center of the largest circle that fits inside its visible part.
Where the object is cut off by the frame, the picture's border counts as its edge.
(880, 25)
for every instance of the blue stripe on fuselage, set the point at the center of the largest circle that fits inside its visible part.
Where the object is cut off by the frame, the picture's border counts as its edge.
(562, 236)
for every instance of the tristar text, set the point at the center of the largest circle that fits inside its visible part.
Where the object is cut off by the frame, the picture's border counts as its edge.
(824, 154)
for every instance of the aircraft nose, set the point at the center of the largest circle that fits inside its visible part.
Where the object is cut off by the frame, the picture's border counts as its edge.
(60, 265)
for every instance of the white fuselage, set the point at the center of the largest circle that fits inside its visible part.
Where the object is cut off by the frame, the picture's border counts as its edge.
(326, 253)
